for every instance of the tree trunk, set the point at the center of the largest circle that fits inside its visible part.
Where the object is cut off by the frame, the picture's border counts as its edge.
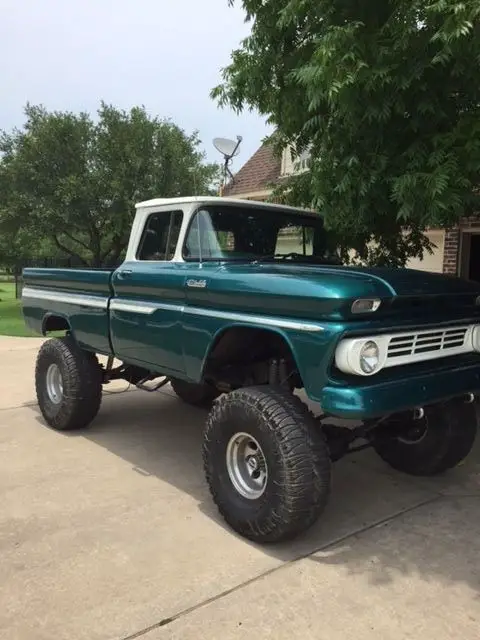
(70, 252)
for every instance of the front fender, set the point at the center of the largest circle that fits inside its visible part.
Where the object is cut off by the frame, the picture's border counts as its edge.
(221, 333)
(312, 348)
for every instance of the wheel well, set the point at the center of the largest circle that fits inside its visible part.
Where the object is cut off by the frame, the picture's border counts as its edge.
(52, 322)
(247, 351)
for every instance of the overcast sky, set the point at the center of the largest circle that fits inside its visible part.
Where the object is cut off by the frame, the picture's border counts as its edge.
(164, 54)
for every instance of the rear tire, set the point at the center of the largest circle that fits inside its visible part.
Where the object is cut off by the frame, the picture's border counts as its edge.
(439, 441)
(68, 383)
(291, 460)
(198, 395)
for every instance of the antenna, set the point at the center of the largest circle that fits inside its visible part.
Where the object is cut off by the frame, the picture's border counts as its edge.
(228, 148)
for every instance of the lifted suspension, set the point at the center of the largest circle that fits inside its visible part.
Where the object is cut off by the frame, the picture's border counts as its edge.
(340, 439)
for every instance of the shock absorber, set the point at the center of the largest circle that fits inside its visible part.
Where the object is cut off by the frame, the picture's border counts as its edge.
(277, 372)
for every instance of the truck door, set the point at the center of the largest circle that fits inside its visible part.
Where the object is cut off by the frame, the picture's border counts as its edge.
(148, 298)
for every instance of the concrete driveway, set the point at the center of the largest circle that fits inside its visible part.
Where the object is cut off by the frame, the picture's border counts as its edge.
(111, 534)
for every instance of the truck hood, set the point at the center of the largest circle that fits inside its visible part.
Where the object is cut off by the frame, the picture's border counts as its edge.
(327, 291)
(411, 282)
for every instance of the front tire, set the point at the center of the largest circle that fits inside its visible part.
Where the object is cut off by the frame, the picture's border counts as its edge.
(68, 383)
(266, 463)
(431, 445)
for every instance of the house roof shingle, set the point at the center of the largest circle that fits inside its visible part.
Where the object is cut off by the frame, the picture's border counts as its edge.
(257, 174)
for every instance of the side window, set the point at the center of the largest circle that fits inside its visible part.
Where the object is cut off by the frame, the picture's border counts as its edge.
(160, 236)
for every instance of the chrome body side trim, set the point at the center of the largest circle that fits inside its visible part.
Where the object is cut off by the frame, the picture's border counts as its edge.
(148, 308)
(81, 299)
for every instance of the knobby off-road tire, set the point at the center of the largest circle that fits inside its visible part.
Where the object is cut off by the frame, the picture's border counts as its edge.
(198, 395)
(431, 445)
(270, 423)
(68, 383)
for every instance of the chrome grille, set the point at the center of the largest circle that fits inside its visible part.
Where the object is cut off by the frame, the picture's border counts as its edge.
(449, 341)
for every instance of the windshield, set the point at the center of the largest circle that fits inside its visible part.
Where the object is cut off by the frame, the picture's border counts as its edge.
(230, 232)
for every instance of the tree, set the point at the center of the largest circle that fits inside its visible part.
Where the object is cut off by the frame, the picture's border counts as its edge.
(386, 95)
(73, 180)
(17, 245)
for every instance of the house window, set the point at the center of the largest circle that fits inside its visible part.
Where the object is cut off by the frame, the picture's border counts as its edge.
(292, 163)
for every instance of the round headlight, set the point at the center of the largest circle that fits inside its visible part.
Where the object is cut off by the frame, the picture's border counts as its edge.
(369, 357)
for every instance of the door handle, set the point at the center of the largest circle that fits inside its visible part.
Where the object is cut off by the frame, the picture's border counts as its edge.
(125, 273)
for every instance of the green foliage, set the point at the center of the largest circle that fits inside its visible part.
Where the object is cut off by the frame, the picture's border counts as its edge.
(386, 96)
(71, 182)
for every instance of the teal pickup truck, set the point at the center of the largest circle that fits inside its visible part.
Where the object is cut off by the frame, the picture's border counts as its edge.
(238, 304)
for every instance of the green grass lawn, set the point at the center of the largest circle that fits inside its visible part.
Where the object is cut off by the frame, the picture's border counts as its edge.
(11, 319)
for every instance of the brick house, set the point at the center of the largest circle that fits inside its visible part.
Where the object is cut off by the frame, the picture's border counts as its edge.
(462, 249)
(456, 251)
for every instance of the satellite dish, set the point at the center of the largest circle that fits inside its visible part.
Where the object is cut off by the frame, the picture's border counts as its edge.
(228, 148)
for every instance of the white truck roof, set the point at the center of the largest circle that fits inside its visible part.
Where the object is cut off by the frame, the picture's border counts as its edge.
(156, 202)
(189, 205)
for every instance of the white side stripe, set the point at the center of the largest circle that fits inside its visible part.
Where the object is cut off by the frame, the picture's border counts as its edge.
(144, 308)
(246, 317)
(82, 299)
(148, 308)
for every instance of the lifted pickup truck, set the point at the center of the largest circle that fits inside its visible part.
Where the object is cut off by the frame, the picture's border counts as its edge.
(237, 305)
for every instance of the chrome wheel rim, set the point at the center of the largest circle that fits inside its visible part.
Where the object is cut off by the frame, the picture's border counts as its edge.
(246, 465)
(54, 384)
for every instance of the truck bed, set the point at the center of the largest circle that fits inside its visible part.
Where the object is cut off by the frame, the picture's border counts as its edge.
(79, 295)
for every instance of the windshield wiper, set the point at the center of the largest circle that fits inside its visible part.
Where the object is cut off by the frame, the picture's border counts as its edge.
(282, 256)
(298, 258)
(264, 258)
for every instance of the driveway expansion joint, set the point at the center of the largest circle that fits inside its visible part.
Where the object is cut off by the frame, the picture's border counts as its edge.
(219, 596)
